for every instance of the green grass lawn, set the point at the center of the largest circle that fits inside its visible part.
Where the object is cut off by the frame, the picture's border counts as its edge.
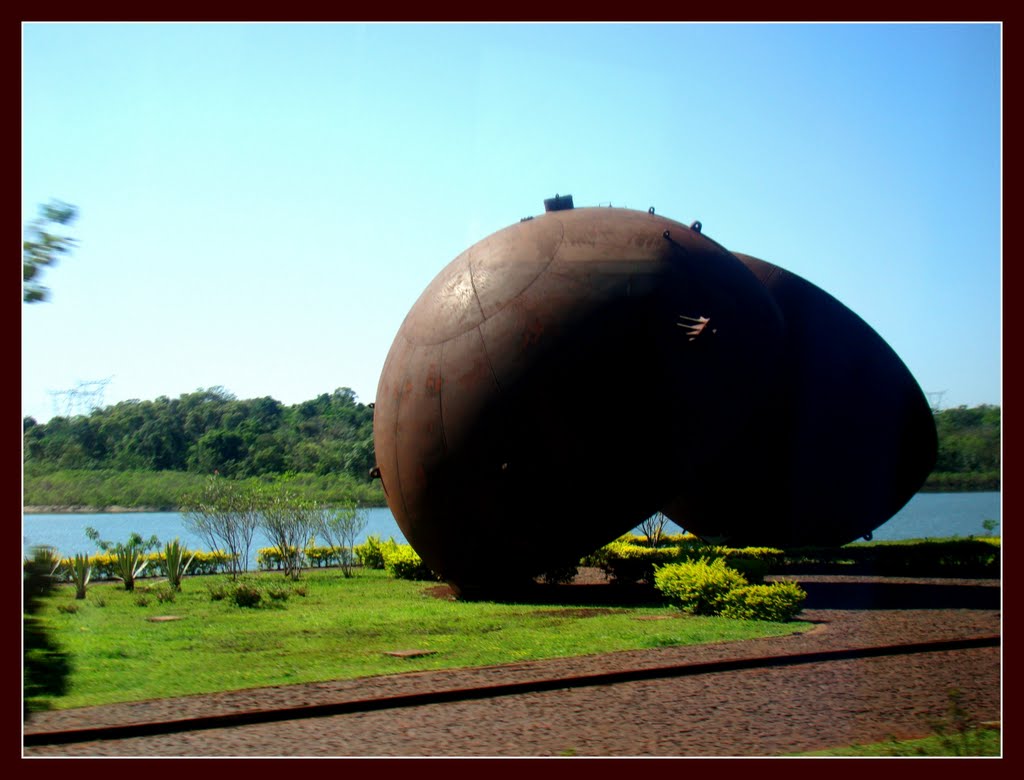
(972, 742)
(339, 629)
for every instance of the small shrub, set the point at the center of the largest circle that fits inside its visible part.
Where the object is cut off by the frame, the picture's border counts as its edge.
(371, 552)
(99, 602)
(675, 540)
(694, 549)
(624, 561)
(270, 558)
(80, 572)
(129, 562)
(141, 601)
(46, 562)
(288, 559)
(217, 592)
(300, 590)
(940, 558)
(321, 556)
(403, 562)
(68, 609)
(278, 593)
(752, 569)
(778, 602)
(176, 560)
(212, 562)
(164, 595)
(246, 595)
(754, 562)
(698, 587)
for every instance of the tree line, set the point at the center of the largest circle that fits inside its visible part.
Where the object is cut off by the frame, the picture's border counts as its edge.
(969, 439)
(970, 449)
(210, 432)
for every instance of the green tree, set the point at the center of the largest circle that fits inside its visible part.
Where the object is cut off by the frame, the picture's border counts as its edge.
(224, 514)
(969, 439)
(289, 522)
(339, 528)
(211, 431)
(218, 451)
(654, 528)
(43, 247)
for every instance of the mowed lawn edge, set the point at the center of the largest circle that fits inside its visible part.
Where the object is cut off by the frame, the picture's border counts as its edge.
(134, 646)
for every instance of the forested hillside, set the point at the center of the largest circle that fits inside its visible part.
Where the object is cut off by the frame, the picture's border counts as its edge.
(138, 453)
(210, 430)
(969, 449)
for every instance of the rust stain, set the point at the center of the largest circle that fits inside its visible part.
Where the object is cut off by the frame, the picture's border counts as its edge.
(434, 381)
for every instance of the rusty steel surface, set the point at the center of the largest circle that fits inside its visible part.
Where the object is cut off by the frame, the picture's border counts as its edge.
(848, 442)
(546, 389)
(569, 375)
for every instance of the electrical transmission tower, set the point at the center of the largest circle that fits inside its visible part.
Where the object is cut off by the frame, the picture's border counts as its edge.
(83, 398)
(935, 399)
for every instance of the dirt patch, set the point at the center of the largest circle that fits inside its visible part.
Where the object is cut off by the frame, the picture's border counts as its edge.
(577, 612)
(440, 592)
(590, 588)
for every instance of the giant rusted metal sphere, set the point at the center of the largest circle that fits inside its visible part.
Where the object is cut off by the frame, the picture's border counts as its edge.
(568, 376)
(557, 382)
(848, 440)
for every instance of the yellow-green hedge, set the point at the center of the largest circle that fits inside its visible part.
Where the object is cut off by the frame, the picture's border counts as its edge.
(102, 564)
(401, 561)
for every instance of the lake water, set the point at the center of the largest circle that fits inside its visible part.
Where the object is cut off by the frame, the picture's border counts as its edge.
(925, 515)
(67, 532)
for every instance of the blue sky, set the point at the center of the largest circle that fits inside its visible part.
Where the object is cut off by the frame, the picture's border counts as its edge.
(261, 204)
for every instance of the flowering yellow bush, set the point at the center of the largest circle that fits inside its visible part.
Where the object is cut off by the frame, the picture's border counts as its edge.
(700, 586)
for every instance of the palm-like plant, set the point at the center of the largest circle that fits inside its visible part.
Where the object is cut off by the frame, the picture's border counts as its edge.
(45, 559)
(80, 571)
(177, 559)
(129, 562)
(40, 572)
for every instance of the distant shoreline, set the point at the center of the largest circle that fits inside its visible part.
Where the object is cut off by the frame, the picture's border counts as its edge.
(91, 510)
(120, 510)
